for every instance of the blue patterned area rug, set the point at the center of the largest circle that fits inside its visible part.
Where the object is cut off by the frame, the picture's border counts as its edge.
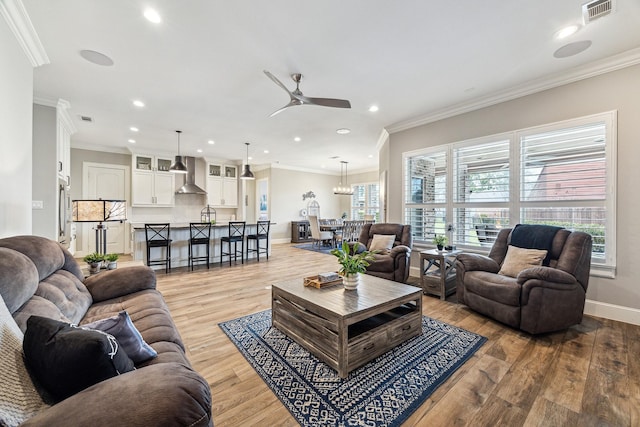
(384, 392)
(314, 248)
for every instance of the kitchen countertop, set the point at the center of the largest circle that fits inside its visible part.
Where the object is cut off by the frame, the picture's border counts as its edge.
(219, 224)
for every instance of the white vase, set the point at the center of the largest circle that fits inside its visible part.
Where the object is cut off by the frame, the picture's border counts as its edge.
(351, 281)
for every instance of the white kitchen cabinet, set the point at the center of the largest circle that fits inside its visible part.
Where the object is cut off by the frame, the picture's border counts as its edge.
(151, 182)
(64, 130)
(222, 185)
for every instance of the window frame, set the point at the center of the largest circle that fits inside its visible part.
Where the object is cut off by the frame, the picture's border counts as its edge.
(367, 198)
(603, 267)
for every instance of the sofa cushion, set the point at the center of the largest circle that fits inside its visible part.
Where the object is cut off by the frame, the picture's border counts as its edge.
(382, 262)
(519, 259)
(149, 314)
(121, 327)
(18, 278)
(68, 293)
(19, 399)
(382, 242)
(66, 359)
(495, 287)
(47, 255)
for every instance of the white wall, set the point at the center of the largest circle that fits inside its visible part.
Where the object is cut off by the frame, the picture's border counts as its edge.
(45, 174)
(618, 90)
(16, 97)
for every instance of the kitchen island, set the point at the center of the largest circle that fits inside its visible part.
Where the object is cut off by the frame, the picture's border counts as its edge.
(180, 243)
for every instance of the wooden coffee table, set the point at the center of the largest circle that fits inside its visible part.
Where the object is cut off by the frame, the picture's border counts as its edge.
(346, 329)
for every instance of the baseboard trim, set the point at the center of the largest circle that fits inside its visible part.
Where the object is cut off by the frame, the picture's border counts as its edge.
(612, 312)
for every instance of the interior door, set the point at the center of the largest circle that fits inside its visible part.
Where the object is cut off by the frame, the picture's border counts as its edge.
(107, 182)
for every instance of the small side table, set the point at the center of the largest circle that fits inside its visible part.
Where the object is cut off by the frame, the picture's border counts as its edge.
(440, 280)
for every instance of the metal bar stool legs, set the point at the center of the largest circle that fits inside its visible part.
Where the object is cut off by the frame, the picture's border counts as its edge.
(262, 233)
(235, 236)
(199, 235)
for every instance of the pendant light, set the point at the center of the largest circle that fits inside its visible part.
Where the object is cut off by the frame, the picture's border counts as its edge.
(346, 190)
(178, 165)
(246, 172)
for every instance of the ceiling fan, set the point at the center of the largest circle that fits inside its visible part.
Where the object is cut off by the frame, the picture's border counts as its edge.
(297, 98)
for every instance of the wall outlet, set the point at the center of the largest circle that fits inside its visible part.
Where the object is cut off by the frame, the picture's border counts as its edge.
(37, 204)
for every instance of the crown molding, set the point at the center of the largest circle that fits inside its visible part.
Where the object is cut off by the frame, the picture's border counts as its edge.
(301, 169)
(79, 145)
(593, 69)
(61, 109)
(20, 25)
(384, 137)
(47, 102)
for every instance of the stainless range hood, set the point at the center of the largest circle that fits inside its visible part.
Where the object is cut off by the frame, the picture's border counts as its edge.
(190, 186)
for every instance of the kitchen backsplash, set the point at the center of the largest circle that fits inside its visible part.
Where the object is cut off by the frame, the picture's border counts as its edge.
(187, 209)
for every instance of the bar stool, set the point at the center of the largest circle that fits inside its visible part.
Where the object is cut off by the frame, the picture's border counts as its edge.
(235, 236)
(262, 233)
(158, 236)
(199, 234)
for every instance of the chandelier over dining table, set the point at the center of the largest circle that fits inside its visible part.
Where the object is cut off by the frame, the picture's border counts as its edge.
(345, 189)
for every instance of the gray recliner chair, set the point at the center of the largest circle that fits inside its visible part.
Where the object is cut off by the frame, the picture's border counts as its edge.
(394, 264)
(540, 299)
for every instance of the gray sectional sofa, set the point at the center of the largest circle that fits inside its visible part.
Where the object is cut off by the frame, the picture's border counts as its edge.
(39, 277)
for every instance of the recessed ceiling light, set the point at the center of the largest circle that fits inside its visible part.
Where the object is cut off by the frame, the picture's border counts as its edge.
(199, 150)
(297, 139)
(373, 108)
(134, 129)
(343, 131)
(152, 16)
(250, 158)
(266, 151)
(132, 141)
(566, 32)
(96, 57)
(138, 103)
(371, 156)
(211, 142)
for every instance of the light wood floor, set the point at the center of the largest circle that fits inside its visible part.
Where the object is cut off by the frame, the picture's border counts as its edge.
(588, 375)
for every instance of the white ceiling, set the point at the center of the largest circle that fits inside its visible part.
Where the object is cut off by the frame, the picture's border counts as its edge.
(201, 69)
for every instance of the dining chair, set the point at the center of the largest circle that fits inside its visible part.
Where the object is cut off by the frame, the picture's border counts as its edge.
(316, 235)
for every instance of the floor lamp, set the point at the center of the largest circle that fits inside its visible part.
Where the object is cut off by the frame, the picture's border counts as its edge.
(98, 210)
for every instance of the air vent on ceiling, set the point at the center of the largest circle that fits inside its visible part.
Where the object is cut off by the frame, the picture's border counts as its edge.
(86, 119)
(596, 9)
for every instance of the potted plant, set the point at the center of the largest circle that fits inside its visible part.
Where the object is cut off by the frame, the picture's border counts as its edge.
(112, 261)
(352, 263)
(94, 260)
(440, 240)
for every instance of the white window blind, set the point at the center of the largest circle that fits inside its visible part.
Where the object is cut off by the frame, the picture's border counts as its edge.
(558, 174)
(563, 180)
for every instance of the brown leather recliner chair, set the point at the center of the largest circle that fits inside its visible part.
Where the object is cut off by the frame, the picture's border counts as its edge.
(540, 299)
(394, 264)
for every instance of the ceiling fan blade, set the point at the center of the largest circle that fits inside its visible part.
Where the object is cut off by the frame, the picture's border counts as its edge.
(292, 103)
(278, 82)
(329, 102)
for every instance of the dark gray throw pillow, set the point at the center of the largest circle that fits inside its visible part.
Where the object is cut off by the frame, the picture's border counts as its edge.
(121, 327)
(66, 359)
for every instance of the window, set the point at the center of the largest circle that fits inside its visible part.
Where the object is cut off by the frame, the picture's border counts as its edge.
(365, 201)
(560, 174)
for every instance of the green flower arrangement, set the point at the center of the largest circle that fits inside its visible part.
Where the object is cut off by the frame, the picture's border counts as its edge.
(350, 261)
